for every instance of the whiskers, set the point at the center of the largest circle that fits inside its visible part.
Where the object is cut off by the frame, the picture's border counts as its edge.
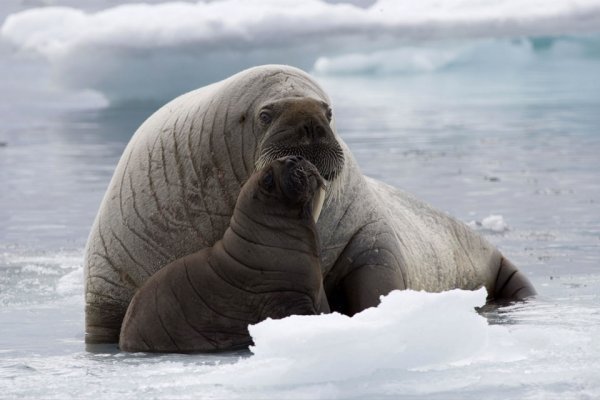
(329, 161)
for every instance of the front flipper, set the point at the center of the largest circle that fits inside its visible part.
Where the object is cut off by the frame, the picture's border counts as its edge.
(369, 267)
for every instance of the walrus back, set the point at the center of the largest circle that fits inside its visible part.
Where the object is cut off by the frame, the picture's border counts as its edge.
(440, 253)
(146, 206)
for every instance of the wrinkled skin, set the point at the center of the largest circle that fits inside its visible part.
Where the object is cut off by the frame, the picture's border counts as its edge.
(175, 187)
(266, 266)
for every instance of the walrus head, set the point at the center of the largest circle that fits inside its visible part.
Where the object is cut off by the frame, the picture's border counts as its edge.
(293, 182)
(300, 126)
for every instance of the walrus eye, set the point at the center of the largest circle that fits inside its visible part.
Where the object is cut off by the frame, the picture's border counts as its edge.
(265, 117)
(268, 181)
(329, 114)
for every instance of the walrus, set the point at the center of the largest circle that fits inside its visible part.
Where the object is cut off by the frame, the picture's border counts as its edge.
(174, 191)
(265, 266)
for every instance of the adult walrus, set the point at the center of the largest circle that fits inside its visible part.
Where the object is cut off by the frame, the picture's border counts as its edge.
(175, 187)
(266, 266)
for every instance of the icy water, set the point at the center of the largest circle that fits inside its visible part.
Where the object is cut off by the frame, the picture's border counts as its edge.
(510, 149)
(522, 147)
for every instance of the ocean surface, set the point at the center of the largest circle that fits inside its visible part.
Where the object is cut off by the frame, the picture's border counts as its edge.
(497, 124)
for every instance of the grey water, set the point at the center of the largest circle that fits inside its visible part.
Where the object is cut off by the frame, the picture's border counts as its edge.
(522, 144)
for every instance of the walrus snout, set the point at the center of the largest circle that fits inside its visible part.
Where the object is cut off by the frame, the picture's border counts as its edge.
(300, 178)
(301, 183)
(301, 127)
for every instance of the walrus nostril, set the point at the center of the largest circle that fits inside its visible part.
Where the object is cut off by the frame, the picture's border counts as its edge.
(307, 130)
(313, 131)
(320, 132)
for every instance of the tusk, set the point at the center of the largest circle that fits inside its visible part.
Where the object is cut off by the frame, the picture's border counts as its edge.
(317, 205)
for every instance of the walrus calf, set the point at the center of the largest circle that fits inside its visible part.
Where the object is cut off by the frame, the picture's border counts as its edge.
(265, 266)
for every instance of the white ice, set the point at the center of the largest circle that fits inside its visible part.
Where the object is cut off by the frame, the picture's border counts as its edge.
(492, 223)
(409, 330)
(144, 51)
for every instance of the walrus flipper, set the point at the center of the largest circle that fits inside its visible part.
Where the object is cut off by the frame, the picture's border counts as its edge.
(369, 267)
(510, 284)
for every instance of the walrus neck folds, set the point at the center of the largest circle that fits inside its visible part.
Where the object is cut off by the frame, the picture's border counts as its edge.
(297, 233)
(293, 257)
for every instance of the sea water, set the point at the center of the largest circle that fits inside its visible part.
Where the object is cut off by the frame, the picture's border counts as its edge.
(496, 132)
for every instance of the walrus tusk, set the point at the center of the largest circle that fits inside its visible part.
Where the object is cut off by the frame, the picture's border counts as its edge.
(318, 201)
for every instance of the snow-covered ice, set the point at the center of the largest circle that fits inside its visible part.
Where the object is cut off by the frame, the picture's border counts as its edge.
(191, 44)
